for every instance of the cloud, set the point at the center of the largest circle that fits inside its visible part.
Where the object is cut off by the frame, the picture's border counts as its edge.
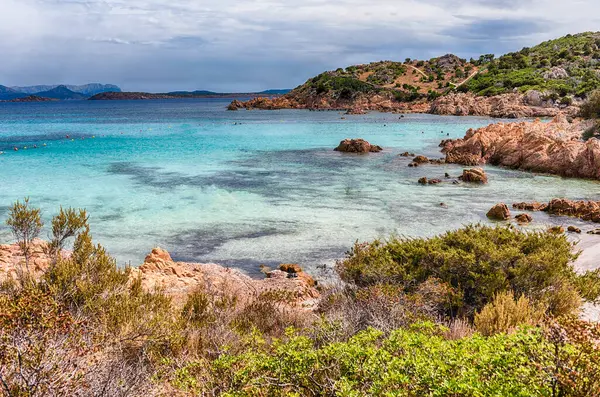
(161, 45)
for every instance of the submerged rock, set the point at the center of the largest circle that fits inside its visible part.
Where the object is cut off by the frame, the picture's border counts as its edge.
(474, 175)
(499, 212)
(420, 160)
(357, 146)
(574, 229)
(524, 218)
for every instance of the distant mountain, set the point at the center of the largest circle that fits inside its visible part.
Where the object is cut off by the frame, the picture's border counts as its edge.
(7, 94)
(61, 92)
(86, 89)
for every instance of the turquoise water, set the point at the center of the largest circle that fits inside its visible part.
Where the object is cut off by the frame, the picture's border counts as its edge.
(244, 188)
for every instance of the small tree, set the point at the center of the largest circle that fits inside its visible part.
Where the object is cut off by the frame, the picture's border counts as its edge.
(68, 223)
(26, 225)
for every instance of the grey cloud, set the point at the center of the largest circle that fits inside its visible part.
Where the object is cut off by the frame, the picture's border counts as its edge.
(159, 45)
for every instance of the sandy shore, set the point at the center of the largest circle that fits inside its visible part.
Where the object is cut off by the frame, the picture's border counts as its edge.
(588, 260)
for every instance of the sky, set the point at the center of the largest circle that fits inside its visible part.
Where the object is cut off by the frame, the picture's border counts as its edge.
(252, 45)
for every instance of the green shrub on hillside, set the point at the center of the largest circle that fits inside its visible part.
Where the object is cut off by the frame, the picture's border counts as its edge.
(590, 109)
(479, 261)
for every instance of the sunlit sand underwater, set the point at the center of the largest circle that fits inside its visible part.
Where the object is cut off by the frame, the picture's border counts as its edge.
(249, 187)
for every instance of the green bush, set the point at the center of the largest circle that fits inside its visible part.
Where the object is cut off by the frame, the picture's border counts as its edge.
(590, 109)
(415, 362)
(479, 261)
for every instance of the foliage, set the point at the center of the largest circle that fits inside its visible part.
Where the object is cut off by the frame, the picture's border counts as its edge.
(478, 261)
(25, 223)
(412, 362)
(590, 109)
(505, 314)
(526, 69)
(88, 327)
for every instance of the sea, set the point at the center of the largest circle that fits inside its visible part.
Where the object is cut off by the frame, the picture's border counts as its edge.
(246, 188)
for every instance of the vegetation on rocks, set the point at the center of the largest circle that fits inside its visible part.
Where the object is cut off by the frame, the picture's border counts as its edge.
(475, 312)
(565, 66)
(553, 75)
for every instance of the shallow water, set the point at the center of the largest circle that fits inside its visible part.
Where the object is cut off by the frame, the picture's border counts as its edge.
(249, 187)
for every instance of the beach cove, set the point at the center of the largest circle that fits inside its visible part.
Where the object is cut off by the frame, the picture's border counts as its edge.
(247, 188)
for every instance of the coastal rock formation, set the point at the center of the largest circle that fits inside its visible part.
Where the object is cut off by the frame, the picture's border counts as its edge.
(534, 206)
(235, 105)
(502, 106)
(474, 175)
(524, 218)
(178, 280)
(12, 261)
(357, 146)
(573, 229)
(499, 212)
(265, 103)
(554, 148)
(421, 160)
(585, 210)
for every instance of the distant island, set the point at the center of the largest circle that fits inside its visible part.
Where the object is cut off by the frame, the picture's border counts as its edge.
(33, 98)
(554, 76)
(115, 96)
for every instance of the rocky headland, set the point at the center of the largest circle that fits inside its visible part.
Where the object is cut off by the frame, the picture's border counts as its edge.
(541, 81)
(512, 105)
(555, 148)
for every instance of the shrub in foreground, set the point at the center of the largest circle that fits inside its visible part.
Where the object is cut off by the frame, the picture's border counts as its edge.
(88, 327)
(478, 262)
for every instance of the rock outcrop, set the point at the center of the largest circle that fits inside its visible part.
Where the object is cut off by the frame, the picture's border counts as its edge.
(554, 148)
(501, 106)
(573, 229)
(534, 206)
(12, 261)
(179, 279)
(357, 146)
(474, 175)
(524, 218)
(585, 210)
(499, 212)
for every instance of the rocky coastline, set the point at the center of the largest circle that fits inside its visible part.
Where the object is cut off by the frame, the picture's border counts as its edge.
(554, 148)
(509, 106)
